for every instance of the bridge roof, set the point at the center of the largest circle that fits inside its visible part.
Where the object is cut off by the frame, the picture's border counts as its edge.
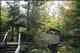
(20, 21)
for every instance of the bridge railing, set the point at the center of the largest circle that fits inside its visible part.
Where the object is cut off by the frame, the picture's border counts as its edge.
(18, 48)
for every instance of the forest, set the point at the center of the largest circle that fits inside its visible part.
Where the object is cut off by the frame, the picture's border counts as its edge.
(40, 26)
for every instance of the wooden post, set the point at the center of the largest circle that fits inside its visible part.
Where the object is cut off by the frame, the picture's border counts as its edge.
(5, 39)
(17, 29)
(18, 48)
(12, 37)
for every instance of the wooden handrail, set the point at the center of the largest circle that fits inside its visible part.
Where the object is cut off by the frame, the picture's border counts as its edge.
(5, 36)
(19, 38)
(18, 48)
(4, 39)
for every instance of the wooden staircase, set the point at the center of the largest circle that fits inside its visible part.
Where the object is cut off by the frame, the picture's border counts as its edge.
(9, 47)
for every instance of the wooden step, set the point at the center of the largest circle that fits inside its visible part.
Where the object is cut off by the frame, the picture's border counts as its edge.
(7, 51)
(9, 48)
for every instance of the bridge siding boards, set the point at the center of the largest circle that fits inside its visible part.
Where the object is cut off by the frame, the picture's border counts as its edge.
(51, 38)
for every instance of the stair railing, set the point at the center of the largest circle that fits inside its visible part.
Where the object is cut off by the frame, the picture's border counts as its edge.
(4, 41)
(18, 48)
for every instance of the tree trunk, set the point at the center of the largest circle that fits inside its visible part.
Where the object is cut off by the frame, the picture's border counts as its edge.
(12, 37)
(17, 29)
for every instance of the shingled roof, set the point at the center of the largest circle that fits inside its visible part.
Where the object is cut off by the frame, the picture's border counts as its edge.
(20, 21)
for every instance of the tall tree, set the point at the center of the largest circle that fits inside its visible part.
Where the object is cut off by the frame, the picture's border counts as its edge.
(13, 12)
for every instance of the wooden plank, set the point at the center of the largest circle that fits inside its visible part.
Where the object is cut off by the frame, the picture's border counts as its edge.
(5, 37)
(10, 43)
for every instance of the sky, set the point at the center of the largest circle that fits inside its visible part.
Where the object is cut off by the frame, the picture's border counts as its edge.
(3, 3)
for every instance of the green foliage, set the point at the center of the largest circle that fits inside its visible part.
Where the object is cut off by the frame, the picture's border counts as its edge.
(41, 19)
(22, 29)
(68, 24)
(69, 21)
(65, 47)
(13, 10)
(4, 19)
(39, 22)
(40, 51)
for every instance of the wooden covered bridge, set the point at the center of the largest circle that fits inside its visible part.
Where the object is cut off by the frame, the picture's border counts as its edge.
(15, 47)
